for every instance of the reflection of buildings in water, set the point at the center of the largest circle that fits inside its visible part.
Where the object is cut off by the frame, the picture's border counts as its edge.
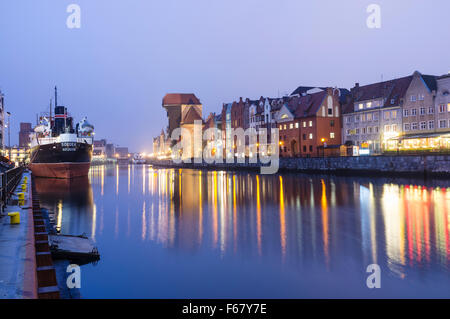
(72, 202)
(409, 213)
(220, 210)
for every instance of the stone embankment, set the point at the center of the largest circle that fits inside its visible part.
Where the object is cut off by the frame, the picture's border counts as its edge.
(414, 165)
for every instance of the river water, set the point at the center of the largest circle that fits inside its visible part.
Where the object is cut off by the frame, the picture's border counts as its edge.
(169, 233)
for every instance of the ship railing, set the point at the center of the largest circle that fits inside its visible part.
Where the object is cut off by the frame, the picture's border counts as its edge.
(85, 140)
(47, 140)
(8, 182)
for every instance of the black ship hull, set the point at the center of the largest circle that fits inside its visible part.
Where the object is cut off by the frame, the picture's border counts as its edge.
(61, 160)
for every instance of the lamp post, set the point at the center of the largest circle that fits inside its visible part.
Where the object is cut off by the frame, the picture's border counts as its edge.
(323, 147)
(9, 135)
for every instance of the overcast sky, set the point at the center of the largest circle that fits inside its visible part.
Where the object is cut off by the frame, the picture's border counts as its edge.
(128, 53)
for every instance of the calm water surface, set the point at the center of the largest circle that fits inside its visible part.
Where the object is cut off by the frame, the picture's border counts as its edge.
(165, 233)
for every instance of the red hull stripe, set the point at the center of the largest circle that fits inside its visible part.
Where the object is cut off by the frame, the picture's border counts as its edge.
(60, 170)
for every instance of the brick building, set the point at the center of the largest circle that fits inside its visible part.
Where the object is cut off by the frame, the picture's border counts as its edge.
(309, 125)
(24, 135)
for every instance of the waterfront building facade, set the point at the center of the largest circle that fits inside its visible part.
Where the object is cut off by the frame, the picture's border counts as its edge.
(177, 103)
(99, 150)
(442, 103)
(373, 114)
(213, 142)
(191, 116)
(309, 125)
(161, 145)
(226, 130)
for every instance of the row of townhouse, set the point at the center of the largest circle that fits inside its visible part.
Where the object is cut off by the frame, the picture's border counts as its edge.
(308, 120)
(409, 113)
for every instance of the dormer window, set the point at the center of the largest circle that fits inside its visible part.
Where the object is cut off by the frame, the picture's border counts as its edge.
(413, 98)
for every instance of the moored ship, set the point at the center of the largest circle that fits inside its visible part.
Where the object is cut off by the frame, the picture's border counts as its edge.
(57, 149)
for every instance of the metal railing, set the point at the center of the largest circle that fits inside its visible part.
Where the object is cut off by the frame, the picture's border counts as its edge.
(8, 182)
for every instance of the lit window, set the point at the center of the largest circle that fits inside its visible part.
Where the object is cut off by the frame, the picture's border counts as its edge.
(291, 126)
(361, 106)
(394, 115)
(304, 124)
(369, 104)
(310, 136)
(310, 123)
(281, 127)
(331, 134)
(284, 126)
(296, 125)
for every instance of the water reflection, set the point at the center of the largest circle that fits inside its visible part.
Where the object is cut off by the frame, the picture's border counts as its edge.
(294, 220)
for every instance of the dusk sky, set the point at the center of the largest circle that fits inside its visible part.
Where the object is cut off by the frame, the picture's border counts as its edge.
(128, 54)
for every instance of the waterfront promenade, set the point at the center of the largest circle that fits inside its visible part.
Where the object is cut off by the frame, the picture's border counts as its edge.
(18, 265)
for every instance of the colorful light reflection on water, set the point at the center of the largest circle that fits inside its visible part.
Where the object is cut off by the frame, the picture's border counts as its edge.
(166, 233)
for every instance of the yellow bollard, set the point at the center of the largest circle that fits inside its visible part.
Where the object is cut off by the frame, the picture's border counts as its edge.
(21, 196)
(15, 217)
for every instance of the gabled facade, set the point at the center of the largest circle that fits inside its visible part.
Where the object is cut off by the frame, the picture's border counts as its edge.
(419, 107)
(309, 125)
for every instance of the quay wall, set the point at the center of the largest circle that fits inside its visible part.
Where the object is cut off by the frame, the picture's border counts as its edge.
(420, 165)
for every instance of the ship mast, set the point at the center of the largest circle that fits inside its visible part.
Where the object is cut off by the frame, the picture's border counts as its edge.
(50, 117)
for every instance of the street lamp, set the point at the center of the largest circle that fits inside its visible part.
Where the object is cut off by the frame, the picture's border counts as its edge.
(323, 146)
(9, 135)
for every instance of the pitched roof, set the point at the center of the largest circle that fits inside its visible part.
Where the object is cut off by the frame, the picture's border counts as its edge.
(303, 89)
(180, 98)
(430, 81)
(393, 89)
(191, 116)
(308, 105)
